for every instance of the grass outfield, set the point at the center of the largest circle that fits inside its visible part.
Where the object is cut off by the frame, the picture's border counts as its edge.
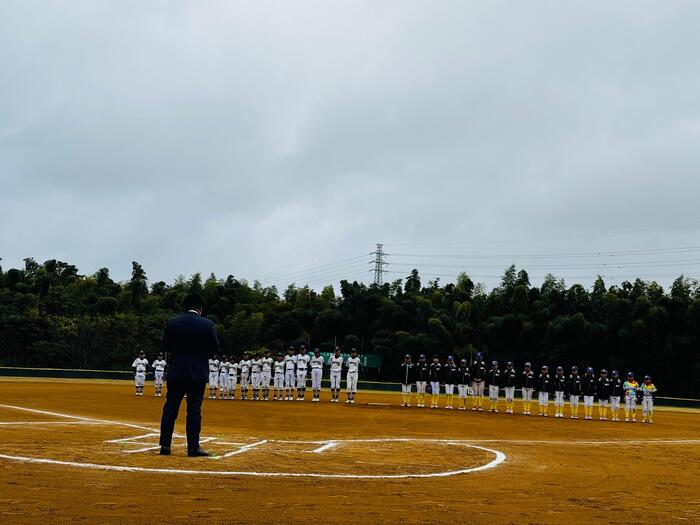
(86, 450)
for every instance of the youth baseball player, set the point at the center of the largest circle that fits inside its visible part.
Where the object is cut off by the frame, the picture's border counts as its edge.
(316, 374)
(493, 378)
(463, 382)
(508, 380)
(353, 364)
(290, 365)
(213, 376)
(478, 375)
(450, 375)
(602, 391)
(140, 365)
(232, 378)
(588, 384)
(256, 376)
(224, 377)
(575, 390)
(559, 384)
(266, 374)
(278, 380)
(616, 392)
(336, 365)
(158, 372)
(630, 387)
(434, 376)
(648, 391)
(303, 360)
(544, 387)
(244, 369)
(407, 375)
(422, 373)
(527, 379)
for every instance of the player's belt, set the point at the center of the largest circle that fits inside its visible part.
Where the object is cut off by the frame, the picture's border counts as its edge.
(300, 369)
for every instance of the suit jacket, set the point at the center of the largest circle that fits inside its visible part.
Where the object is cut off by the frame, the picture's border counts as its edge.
(191, 340)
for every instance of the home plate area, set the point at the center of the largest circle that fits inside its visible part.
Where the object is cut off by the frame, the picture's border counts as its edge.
(70, 441)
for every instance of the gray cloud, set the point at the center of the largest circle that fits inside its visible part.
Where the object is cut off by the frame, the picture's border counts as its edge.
(266, 138)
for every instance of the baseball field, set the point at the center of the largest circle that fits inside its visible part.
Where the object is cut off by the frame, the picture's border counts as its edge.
(86, 451)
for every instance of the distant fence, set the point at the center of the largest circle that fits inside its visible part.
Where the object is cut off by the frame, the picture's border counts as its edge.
(65, 373)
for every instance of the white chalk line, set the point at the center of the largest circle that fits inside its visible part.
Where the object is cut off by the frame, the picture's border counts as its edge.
(78, 418)
(323, 448)
(243, 449)
(157, 446)
(43, 423)
(498, 459)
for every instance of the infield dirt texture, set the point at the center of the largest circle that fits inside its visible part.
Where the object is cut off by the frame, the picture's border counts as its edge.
(85, 451)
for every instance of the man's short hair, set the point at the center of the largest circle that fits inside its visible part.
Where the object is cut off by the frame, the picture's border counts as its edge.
(193, 301)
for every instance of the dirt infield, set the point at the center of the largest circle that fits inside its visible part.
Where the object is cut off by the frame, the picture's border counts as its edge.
(86, 451)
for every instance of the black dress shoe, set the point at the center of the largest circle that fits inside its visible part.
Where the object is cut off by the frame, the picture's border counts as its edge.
(164, 451)
(197, 452)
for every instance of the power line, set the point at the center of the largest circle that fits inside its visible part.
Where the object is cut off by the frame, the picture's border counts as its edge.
(658, 251)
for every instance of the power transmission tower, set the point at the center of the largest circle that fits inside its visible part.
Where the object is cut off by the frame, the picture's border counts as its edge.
(379, 264)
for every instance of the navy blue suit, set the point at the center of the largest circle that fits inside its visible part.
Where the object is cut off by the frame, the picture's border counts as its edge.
(190, 340)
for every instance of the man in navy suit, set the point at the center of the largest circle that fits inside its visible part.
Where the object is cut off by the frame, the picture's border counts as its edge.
(190, 340)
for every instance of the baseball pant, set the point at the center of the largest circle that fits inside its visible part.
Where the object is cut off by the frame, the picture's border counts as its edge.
(289, 379)
(435, 387)
(462, 391)
(558, 398)
(527, 394)
(406, 389)
(158, 378)
(265, 380)
(573, 401)
(351, 382)
(647, 405)
(139, 378)
(301, 378)
(335, 380)
(630, 403)
(588, 401)
(510, 393)
(232, 382)
(421, 386)
(278, 381)
(449, 390)
(493, 393)
(543, 399)
(255, 378)
(223, 381)
(615, 403)
(213, 379)
(316, 375)
(245, 381)
(478, 388)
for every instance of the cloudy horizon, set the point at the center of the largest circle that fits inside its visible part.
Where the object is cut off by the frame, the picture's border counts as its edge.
(280, 142)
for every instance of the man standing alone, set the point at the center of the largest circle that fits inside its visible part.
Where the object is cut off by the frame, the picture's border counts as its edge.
(190, 340)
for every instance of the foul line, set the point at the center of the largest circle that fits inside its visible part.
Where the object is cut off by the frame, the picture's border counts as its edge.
(244, 448)
(78, 418)
(329, 444)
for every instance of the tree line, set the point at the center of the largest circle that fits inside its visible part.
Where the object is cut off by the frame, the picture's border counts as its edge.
(53, 316)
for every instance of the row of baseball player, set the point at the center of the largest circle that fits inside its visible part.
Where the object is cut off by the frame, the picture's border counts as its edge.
(285, 375)
(472, 379)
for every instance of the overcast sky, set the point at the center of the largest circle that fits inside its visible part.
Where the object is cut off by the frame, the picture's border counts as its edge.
(280, 140)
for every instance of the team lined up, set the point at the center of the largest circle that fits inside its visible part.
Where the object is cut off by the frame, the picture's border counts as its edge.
(473, 379)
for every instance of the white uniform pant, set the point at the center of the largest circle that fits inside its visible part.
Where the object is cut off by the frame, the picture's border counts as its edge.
(335, 380)
(421, 386)
(224, 381)
(265, 380)
(316, 375)
(573, 401)
(406, 389)
(493, 392)
(351, 379)
(139, 378)
(647, 405)
(435, 387)
(213, 379)
(449, 390)
(478, 388)
(255, 378)
(158, 378)
(630, 402)
(245, 381)
(543, 399)
(462, 391)
(603, 402)
(558, 398)
(588, 401)
(615, 402)
(510, 393)
(232, 382)
(301, 378)
(527, 394)
(289, 379)
(279, 381)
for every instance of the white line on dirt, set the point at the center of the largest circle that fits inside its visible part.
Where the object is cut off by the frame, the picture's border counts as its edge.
(323, 448)
(244, 448)
(79, 418)
(156, 447)
(42, 423)
(134, 438)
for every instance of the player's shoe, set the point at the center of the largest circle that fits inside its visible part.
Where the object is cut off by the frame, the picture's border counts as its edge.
(473, 409)
(403, 404)
(408, 404)
(627, 419)
(347, 401)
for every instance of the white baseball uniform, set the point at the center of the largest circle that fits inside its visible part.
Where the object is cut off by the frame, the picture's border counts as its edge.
(159, 371)
(336, 370)
(278, 381)
(290, 363)
(140, 366)
(302, 366)
(266, 374)
(316, 372)
(353, 364)
(213, 372)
